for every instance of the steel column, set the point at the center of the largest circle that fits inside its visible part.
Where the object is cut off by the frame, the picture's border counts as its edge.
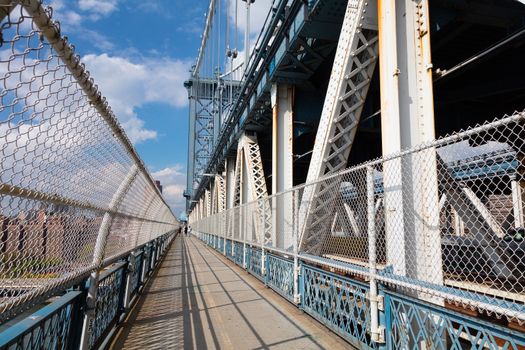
(282, 164)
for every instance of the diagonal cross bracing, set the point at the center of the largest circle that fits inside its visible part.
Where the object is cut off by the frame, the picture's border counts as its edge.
(249, 160)
(354, 65)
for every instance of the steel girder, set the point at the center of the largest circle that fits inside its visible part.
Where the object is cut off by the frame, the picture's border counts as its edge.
(354, 65)
(208, 100)
(249, 160)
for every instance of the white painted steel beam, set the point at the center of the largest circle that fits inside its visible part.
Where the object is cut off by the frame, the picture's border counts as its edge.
(230, 182)
(250, 185)
(416, 118)
(407, 119)
(354, 65)
(282, 164)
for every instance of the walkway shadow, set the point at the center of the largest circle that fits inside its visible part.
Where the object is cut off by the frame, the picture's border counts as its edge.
(196, 299)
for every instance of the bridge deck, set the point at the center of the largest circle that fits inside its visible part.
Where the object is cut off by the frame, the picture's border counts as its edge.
(199, 300)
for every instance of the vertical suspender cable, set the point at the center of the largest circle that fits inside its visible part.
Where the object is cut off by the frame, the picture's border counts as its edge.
(247, 37)
(236, 24)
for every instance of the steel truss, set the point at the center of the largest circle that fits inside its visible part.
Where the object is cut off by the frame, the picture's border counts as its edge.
(354, 65)
(249, 160)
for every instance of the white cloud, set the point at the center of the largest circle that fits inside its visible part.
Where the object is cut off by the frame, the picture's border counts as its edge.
(258, 12)
(73, 16)
(98, 7)
(129, 85)
(173, 180)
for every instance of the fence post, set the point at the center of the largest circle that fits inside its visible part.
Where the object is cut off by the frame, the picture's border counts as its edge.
(140, 272)
(157, 252)
(152, 256)
(129, 279)
(145, 265)
(263, 255)
(244, 240)
(295, 231)
(376, 331)
(75, 333)
(122, 292)
(98, 254)
(384, 318)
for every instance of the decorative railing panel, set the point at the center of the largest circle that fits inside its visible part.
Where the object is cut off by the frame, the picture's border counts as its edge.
(229, 252)
(136, 274)
(417, 325)
(238, 253)
(109, 300)
(279, 275)
(338, 302)
(255, 261)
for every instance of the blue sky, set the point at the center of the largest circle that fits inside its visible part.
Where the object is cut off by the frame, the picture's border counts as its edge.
(140, 53)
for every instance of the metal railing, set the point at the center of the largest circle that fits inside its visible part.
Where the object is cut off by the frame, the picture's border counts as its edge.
(59, 324)
(346, 304)
(410, 222)
(74, 194)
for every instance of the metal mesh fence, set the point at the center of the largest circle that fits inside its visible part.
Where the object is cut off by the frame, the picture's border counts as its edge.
(443, 222)
(70, 180)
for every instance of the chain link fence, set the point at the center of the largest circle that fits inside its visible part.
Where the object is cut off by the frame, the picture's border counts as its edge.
(71, 182)
(442, 222)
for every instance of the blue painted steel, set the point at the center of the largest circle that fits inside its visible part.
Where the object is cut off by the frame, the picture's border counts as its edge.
(411, 323)
(136, 274)
(51, 327)
(254, 262)
(238, 253)
(58, 325)
(220, 246)
(150, 257)
(229, 249)
(341, 303)
(279, 275)
(338, 302)
(108, 304)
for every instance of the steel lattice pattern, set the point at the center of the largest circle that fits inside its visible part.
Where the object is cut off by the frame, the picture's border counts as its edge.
(279, 275)
(136, 273)
(418, 325)
(65, 161)
(255, 261)
(338, 302)
(107, 304)
(238, 253)
(352, 73)
(444, 220)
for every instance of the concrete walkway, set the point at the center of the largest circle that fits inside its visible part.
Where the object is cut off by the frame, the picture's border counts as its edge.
(200, 300)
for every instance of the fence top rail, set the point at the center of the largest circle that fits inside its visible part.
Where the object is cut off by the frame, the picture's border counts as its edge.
(18, 330)
(440, 142)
